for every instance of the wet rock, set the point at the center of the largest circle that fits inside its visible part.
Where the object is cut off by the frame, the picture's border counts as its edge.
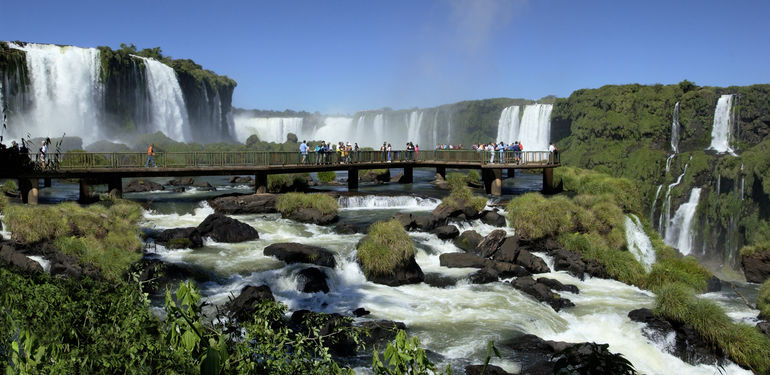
(714, 284)
(492, 218)
(764, 327)
(141, 186)
(652, 321)
(506, 270)
(446, 232)
(359, 312)
(558, 286)
(536, 354)
(182, 181)
(490, 370)
(756, 266)
(463, 260)
(204, 186)
(484, 276)
(532, 262)
(240, 180)
(11, 257)
(427, 223)
(244, 204)
(292, 252)
(489, 245)
(178, 189)
(508, 250)
(444, 211)
(541, 292)
(312, 280)
(468, 240)
(172, 237)
(572, 262)
(222, 228)
(348, 228)
(407, 220)
(243, 307)
(407, 273)
(438, 280)
(380, 332)
(311, 216)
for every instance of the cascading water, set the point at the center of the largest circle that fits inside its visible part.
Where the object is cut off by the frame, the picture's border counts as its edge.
(169, 112)
(720, 133)
(654, 201)
(396, 202)
(67, 95)
(414, 125)
(679, 233)
(508, 125)
(333, 129)
(663, 225)
(638, 242)
(535, 128)
(268, 129)
(675, 130)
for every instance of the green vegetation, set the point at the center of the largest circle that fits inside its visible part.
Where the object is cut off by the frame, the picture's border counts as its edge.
(405, 356)
(742, 343)
(290, 202)
(9, 186)
(279, 183)
(327, 176)
(591, 358)
(460, 195)
(584, 181)
(386, 246)
(763, 300)
(751, 249)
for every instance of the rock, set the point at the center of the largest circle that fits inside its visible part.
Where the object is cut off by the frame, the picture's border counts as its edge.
(558, 286)
(380, 332)
(536, 354)
(244, 204)
(444, 211)
(484, 276)
(506, 270)
(468, 240)
(292, 138)
(653, 321)
(541, 292)
(178, 189)
(408, 273)
(446, 232)
(531, 262)
(10, 256)
(471, 213)
(427, 223)
(312, 280)
(182, 181)
(204, 186)
(756, 266)
(226, 229)
(489, 245)
(572, 262)
(243, 307)
(463, 260)
(492, 218)
(714, 284)
(191, 234)
(140, 186)
(508, 250)
(240, 180)
(292, 252)
(397, 178)
(407, 220)
(372, 176)
(312, 216)
(359, 312)
(490, 370)
(764, 327)
(348, 228)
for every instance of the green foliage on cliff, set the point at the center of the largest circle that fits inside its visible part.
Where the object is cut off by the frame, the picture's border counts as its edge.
(763, 300)
(386, 246)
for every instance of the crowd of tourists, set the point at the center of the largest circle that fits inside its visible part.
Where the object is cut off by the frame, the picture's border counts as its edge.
(516, 151)
(19, 155)
(345, 153)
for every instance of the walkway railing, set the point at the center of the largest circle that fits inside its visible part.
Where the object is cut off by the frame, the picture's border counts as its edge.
(194, 159)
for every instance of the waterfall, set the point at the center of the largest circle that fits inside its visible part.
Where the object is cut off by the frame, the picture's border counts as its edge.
(394, 202)
(652, 208)
(414, 125)
(675, 131)
(333, 129)
(663, 225)
(720, 133)
(668, 162)
(449, 131)
(742, 180)
(169, 112)
(435, 130)
(66, 91)
(535, 129)
(268, 129)
(508, 125)
(679, 235)
(639, 243)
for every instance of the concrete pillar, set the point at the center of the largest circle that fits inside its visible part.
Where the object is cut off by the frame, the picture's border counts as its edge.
(260, 182)
(408, 175)
(85, 191)
(493, 181)
(115, 187)
(548, 187)
(25, 185)
(352, 179)
(511, 172)
(47, 182)
(441, 171)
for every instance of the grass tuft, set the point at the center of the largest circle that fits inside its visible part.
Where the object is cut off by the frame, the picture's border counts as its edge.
(751, 249)
(536, 216)
(461, 195)
(327, 176)
(763, 300)
(386, 246)
(290, 202)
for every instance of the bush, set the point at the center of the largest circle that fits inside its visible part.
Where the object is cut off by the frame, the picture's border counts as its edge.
(289, 202)
(386, 246)
(535, 216)
(619, 265)
(278, 183)
(685, 270)
(461, 195)
(751, 249)
(9, 186)
(763, 300)
(473, 177)
(327, 176)
(583, 181)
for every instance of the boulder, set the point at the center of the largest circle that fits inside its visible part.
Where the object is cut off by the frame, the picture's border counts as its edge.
(222, 228)
(10, 256)
(311, 216)
(558, 286)
(380, 332)
(652, 321)
(490, 370)
(182, 181)
(171, 237)
(444, 211)
(489, 245)
(713, 285)
(506, 270)
(572, 262)
(359, 312)
(204, 186)
(240, 179)
(243, 307)
(348, 228)
(446, 232)
(492, 218)
(407, 220)
(372, 176)
(756, 266)
(408, 273)
(141, 186)
(463, 260)
(468, 240)
(764, 327)
(532, 262)
(312, 280)
(508, 250)
(541, 292)
(292, 252)
(535, 354)
(484, 276)
(244, 204)
(427, 223)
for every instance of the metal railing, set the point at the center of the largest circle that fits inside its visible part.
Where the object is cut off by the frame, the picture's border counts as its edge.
(197, 159)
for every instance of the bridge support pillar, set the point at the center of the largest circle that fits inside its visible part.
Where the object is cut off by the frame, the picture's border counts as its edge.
(511, 173)
(260, 182)
(441, 171)
(115, 187)
(548, 187)
(47, 182)
(493, 181)
(408, 177)
(352, 179)
(85, 191)
(28, 189)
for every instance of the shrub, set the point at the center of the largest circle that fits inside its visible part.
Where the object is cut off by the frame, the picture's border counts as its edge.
(535, 216)
(583, 181)
(277, 183)
(9, 186)
(685, 270)
(290, 202)
(751, 249)
(461, 195)
(473, 177)
(327, 176)
(763, 300)
(619, 265)
(386, 246)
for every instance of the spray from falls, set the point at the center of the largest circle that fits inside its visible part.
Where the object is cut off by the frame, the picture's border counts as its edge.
(720, 132)
(679, 234)
(268, 129)
(169, 112)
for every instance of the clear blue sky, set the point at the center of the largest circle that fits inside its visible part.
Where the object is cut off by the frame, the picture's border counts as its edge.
(334, 56)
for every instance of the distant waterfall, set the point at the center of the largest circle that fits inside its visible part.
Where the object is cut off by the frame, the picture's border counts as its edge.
(332, 130)
(414, 125)
(675, 130)
(679, 234)
(534, 129)
(65, 89)
(639, 243)
(720, 132)
(508, 125)
(663, 224)
(169, 113)
(268, 129)
(654, 201)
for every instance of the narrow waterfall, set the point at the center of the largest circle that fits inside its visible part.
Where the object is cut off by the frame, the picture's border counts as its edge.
(449, 132)
(268, 129)
(535, 128)
(679, 234)
(654, 201)
(663, 225)
(395, 202)
(675, 130)
(169, 112)
(639, 243)
(67, 95)
(668, 162)
(434, 142)
(508, 125)
(720, 133)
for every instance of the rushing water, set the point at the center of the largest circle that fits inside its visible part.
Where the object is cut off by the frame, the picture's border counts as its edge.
(638, 242)
(508, 125)
(268, 129)
(663, 225)
(720, 132)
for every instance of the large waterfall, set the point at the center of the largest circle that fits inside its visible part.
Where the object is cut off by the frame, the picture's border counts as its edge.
(66, 91)
(720, 133)
(331, 129)
(169, 113)
(268, 129)
(533, 130)
(679, 235)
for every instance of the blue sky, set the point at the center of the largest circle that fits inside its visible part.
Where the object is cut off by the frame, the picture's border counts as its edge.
(344, 56)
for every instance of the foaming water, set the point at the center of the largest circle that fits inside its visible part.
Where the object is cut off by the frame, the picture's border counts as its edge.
(391, 202)
(638, 242)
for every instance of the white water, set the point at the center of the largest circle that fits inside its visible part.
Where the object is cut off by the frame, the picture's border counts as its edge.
(533, 131)
(639, 243)
(654, 201)
(403, 202)
(268, 129)
(66, 92)
(675, 131)
(332, 130)
(720, 132)
(663, 225)
(508, 125)
(45, 263)
(168, 109)
(679, 234)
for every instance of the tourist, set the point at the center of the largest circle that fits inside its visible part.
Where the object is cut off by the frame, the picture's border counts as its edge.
(516, 152)
(356, 149)
(303, 151)
(501, 148)
(150, 154)
(491, 150)
(43, 153)
(318, 153)
(416, 152)
(553, 152)
(389, 149)
(383, 151)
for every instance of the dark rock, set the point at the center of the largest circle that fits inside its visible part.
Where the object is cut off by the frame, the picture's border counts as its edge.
(446, 232)
(182, 181)
(407, 220)
(572, 262)
(427, 223)
(222, 228)
(653, 321)
(240, 180)
(468, 240)
(508, 251)
(243, 307)
(189, 233)
(463, 260)
(372, 176)
(312, 216)
(140, 186)
(484, 276)
(312, 280)
(558, 286)
(541, 292)
(291, 137)
(714, 284)
(531, 262)
(178, 189)
(535, 353)
(444, 211)
(347, 228)
(359, 312)
(244, 204)
(489, 245)
(380, 332)
(204, 186)
(10, 256)
(756, 266)
(438, 280)
(490, 370)
(292, 252)
(764, 327)
(492, 218)
(157, 275)
(408, 273)
(471, 213)
(506, 270)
